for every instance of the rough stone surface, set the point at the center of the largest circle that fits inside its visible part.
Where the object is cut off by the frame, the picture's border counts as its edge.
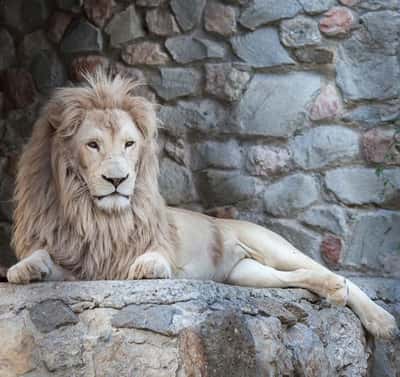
(214, 185)
(299, 32)
(177, 325)
(327, 105)
(363, 186)
(381, 146)
(265, 112)
(149, 53)
(57, 25)
(188, 13)
(326, 145)
(261, 48)
(82, 37)
(175, 182)
(186, 49)
(150, 3)
(262, 12)
(266, 161)
(125, 27)
(316, 6)
(176, 82)
(220, 19)
(331, 218)
(374, 244)
(51, 314)
(18, 86)
(161, 22)
(48, 71)
(216, 155)
(7, 50)
(98, 11)
(355, 63)
(70, 5)
(225, 81)
(314, 55)
(369, 116)
(290, 194)
(337, 21)
(31, 45)
(34, 13)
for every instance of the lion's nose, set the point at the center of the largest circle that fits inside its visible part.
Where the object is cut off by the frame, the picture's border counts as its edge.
(115, 181)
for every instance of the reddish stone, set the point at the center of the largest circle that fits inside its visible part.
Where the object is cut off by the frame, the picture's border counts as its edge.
(220, 19)
(192, 353)
(228, 212)
(18, 87)
(327, 105)
(382, 146)
(87, 64)
(144, 53)
(98, 11)
(58, 23)
(331, 249)
(337, 21)
(161, 22)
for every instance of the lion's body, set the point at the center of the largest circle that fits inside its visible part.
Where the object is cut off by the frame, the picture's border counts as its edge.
(69, 225)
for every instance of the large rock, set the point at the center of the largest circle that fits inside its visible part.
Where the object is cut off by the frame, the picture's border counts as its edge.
(374, 245)
(7, 50)
(125, 27)
(264, 109)
(381, 146)
(356, 61)
(188, 13)
(176, 82)
(369, 116)
(262, 12)
(220, 19)
(82, 37)
(175, 182)
(299, 32)
(261, 48)
(157, 328)
(264, 160)
(161, 22)
(186, 49)
(365, 186)
(290, 194)
(326, 145)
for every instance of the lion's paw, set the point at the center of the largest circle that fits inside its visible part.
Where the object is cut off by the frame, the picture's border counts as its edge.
(34, 268)
(338, 291)
(379, 322)
(151, 265)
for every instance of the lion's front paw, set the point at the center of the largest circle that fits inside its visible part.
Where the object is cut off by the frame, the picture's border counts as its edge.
(337, 290)
(34, 268)
(150, 265)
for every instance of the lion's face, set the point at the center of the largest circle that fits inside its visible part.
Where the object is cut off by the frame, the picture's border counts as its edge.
(108, 144)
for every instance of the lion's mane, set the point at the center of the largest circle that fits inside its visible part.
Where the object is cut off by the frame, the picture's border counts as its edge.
(54, 210)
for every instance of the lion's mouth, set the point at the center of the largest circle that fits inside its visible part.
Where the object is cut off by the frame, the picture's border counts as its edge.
(115, 193)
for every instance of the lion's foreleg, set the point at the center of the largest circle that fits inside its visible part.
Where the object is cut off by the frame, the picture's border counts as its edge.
(150, 265)
(37, 267)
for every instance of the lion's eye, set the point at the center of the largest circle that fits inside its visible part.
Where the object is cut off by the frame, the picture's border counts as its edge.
(93, 145)
(129, 144)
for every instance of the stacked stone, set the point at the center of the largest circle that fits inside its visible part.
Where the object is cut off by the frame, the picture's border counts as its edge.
(283, 113)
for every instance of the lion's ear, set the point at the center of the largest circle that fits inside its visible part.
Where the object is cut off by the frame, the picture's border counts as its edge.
(52, 113)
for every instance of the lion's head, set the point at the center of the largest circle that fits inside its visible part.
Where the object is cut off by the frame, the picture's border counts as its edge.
(87, 180)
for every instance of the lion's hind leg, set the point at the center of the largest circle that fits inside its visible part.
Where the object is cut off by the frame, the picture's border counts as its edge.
(37, 267)
(249, 272)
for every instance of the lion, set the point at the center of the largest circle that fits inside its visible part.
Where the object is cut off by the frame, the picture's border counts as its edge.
(88, 207)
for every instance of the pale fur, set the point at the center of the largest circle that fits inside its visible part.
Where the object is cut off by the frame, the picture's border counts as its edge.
(56, 213)
(60, 234)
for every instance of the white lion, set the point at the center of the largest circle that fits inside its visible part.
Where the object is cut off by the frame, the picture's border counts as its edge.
(88, 207)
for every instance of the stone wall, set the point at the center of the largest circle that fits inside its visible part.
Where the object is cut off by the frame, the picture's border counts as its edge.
(281, 112)
(182, 329)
